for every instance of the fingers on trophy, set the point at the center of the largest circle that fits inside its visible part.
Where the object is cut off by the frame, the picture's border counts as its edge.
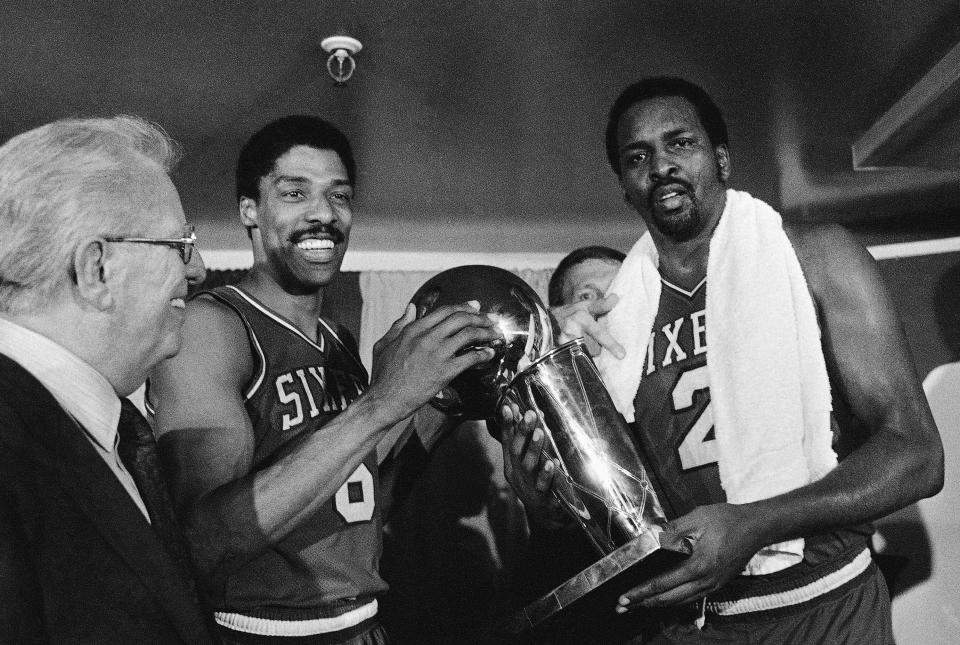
(601, 482)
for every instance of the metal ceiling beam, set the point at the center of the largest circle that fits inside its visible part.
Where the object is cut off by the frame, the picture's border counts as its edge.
(920, 130)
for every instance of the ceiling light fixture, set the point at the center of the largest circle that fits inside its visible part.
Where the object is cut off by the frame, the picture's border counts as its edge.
(340, 64)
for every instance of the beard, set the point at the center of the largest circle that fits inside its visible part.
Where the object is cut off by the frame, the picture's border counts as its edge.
(679, 225)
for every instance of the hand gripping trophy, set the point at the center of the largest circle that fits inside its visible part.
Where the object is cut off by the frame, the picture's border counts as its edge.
(602, 484)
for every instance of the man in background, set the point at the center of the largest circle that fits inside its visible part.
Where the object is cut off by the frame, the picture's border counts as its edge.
(95, 261)
(578, 297)
(779, 435)
(266, 419)
(583, 275)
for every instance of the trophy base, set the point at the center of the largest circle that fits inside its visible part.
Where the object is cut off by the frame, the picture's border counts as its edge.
(591, 595)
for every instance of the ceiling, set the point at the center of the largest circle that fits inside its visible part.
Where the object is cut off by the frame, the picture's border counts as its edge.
(478, 123)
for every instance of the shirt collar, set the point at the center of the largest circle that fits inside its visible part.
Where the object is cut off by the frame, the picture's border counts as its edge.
(81, 390)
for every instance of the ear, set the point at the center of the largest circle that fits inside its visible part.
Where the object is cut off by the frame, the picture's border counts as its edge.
(248, 212)
(723, 161)
(90, 273)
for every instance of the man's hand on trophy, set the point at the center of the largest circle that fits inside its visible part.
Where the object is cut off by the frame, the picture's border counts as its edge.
(722, 539)
(416, 358)
(527, 465)
(581, 320)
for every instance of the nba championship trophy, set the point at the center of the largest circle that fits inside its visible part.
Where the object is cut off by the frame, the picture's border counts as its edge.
(601, 482)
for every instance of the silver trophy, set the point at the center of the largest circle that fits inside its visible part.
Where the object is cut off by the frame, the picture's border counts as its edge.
(604, 486)
(601, 483)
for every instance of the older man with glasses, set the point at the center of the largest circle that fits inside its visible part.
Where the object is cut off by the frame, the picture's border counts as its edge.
(95, 262)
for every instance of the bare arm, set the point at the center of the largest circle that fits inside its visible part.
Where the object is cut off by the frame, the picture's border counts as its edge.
(871, 367)
(900, 462)
(232, 513)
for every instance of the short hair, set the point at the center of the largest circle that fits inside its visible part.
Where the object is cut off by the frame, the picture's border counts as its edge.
(65, 181)
(259, 155)
(653, 87)
(572, 259)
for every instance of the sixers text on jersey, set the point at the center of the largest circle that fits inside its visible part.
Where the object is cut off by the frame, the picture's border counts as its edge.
(322, 390)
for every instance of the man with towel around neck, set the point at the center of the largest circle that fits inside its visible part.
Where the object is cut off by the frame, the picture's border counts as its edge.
(775, 444)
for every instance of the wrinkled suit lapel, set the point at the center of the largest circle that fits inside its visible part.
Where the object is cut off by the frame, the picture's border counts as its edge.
(96, 491)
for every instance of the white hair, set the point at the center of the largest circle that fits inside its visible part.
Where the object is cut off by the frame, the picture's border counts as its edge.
(65, 181)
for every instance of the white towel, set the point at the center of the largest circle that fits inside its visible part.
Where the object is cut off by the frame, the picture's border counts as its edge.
(768, 379)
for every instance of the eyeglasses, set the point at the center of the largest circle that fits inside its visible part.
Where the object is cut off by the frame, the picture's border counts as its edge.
(184, 244)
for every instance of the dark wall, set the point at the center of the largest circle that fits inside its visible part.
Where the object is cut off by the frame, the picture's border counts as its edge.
(926, 292)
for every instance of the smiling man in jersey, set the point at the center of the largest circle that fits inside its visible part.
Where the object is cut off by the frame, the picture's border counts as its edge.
(266, 421)
(769, 384)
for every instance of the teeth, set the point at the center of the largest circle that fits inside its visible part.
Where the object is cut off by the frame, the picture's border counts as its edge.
(314, 245)
(672, 193)
(179, 303)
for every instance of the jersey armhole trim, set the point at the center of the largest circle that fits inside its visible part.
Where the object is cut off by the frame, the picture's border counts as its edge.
(260, 371)
(346, 348)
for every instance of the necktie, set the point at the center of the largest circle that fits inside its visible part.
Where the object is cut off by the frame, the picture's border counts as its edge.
(138, 453)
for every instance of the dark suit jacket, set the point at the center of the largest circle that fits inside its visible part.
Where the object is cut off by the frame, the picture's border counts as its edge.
(78, 561)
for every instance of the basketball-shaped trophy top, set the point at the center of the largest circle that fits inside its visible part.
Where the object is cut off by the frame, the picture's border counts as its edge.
(519, 314)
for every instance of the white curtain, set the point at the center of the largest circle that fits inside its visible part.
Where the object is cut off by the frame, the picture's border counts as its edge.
(385, 297)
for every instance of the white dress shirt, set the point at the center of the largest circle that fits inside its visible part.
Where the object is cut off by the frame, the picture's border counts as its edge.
(82, 391)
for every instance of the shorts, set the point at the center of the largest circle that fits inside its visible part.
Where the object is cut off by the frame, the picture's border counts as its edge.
(856, 613)
(369, 632)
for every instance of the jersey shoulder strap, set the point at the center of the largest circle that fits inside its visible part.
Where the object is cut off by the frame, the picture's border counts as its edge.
(234, 298)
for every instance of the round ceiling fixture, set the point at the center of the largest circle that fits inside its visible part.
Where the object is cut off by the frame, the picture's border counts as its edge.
(341, 64)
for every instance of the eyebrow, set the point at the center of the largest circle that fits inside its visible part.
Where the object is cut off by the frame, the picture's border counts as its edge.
(669, 134)
(294, 179)
(676, 132)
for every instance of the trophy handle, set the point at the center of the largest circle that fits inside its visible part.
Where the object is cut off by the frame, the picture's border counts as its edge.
(566, 491)
(601, 483)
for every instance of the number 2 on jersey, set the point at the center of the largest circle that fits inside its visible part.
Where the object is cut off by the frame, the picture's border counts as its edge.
(354, 500)
(696, 449)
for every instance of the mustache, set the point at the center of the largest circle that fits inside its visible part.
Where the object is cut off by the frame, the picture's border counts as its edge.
(320, 230)
(667, 182)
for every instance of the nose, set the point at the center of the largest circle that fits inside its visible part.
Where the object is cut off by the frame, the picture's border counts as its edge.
(196, 270)
(661, 166)
(321, 211)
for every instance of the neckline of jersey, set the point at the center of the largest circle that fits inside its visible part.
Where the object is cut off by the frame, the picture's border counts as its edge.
(681, 290)
(286, 323)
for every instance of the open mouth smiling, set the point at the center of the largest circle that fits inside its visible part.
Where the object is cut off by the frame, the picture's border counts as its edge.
(315, 244)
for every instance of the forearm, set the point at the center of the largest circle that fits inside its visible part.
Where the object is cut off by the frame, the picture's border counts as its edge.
(885, 474)
(235, 522)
